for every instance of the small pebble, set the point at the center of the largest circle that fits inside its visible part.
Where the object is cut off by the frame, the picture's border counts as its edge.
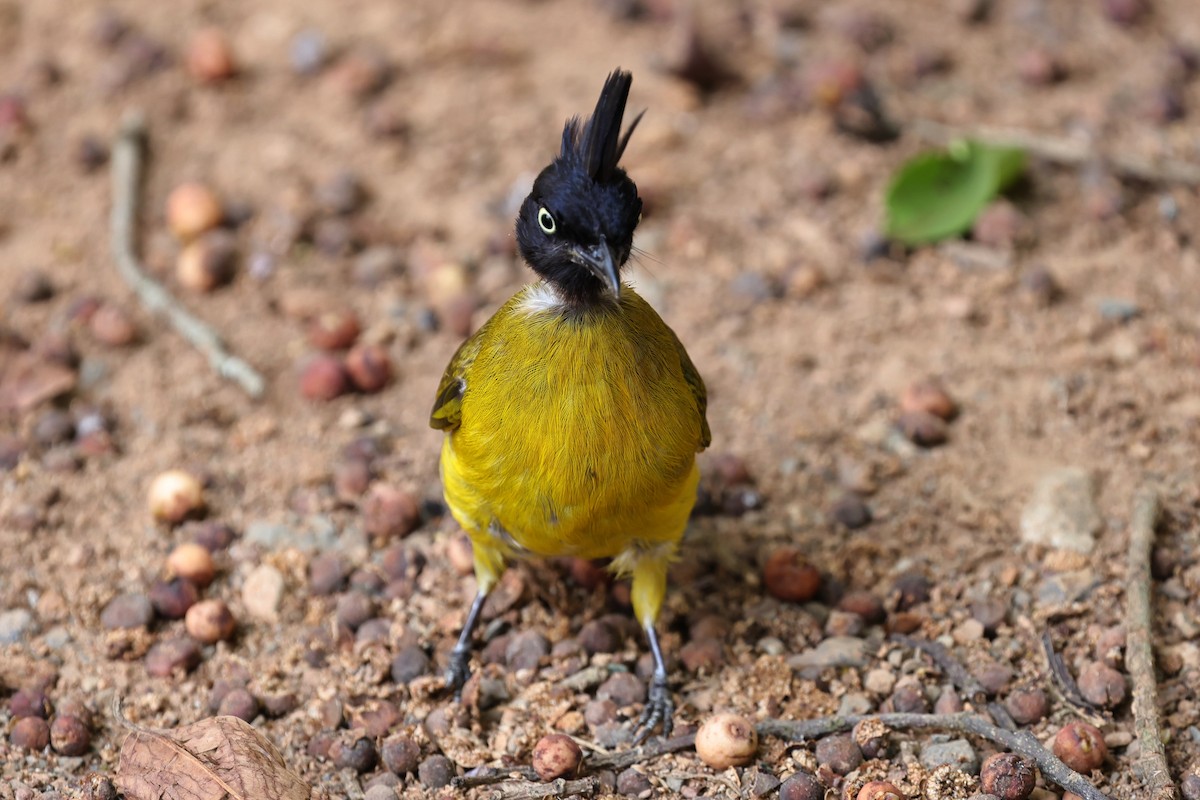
(192, 209)
(379, 792)
(802, 786)
(308, 52)
(33, 286)
(357, 754)
(843, 623)
(879, 681)
(839, 752)
(788, 576)
(210, 621)
(369, 367)
(401, 755)
(353, 609)
(633, 783)
(172, 599)
(1008, 776)
(556, 756)
(948, 702)
(1027, 706)
(409, 664)
(851, 511)
(334, 330)
(865, 604)
(1118, 310)
(342, 194)
(1039, 67)
(990, 614)
(126, 611)
(525, 650)
(213, 536)
(239, 703)
(69, 736)
(623, 688)
(192, 562)
(958, 753)
(324, 377)
(210, 57)
(922, 428)
(1101, 685)
(112, 326)
(390, 512)
(908, 698)
(435, 772)
(911, 589)
(169, 656)
(326, 573)
(30, 733)
(1190, 787)
(1041, 287)
(30, 703)
(1081, 746)
(91, 152)
(702, 655)
(598, 636)
(993, 677)
(262, 592)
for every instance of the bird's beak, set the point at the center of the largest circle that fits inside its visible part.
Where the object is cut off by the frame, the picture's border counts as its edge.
(601, 261)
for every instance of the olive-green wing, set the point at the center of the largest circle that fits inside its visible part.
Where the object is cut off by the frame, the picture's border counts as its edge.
(696, 384)
(447, 408)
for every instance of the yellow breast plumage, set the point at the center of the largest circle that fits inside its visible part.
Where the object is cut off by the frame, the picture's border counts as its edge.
(576, 433)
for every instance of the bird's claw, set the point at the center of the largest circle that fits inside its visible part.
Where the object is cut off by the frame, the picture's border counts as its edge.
(659, 710)
(458, 671)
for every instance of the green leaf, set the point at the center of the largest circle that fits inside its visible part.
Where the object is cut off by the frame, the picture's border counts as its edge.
(936, 195)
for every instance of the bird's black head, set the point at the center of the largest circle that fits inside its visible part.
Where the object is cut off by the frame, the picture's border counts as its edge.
(576, 227)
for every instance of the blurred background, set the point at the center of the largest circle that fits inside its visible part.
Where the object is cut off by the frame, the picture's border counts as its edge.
(331, 186)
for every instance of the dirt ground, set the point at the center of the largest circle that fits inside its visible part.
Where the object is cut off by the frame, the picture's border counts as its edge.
(760, 250)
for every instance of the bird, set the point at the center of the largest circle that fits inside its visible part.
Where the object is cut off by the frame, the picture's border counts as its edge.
(573, 416)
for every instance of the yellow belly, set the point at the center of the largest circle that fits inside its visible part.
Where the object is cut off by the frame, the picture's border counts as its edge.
(578, 434)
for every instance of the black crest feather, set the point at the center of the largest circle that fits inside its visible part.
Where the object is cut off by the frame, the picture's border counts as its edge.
(598, 143)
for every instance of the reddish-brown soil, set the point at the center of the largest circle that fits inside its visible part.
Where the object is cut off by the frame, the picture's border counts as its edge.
(757, 251)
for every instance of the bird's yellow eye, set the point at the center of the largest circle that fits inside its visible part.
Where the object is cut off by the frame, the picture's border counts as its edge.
(546, 221)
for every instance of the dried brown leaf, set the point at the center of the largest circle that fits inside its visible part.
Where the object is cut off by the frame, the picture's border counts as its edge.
(214, 759)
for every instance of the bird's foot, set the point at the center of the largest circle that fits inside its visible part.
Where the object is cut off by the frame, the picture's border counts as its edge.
(659, 710)
(458, 671)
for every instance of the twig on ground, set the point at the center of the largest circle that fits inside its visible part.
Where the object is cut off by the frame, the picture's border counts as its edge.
(557, 788)
(647, 752)
(127, 176)
(1022, 743)
(1151, 765)
(625, 758)
(486, 776)
(1062, 676)
(963, 680)
(1061, 150)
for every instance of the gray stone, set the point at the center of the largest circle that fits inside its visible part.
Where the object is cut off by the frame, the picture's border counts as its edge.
(853, 704)
(14, 624)
(1065, 587)
(836, 651)
(1117, 309)
(957, 753)
(262, 592)
(317, 533)
(1062, 511)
